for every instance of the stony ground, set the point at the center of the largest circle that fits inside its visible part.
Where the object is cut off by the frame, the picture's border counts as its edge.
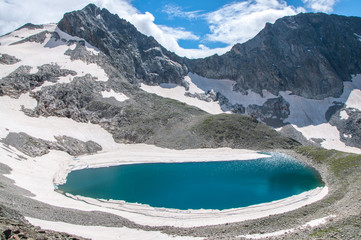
(11, 228)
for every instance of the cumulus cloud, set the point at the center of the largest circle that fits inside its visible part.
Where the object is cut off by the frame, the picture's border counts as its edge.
(237, 22)
(320, 5)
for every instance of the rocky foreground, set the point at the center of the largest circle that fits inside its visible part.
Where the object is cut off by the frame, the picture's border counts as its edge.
(14, 226)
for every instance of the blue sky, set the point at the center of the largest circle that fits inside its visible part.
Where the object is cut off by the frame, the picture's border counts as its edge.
(192, 28)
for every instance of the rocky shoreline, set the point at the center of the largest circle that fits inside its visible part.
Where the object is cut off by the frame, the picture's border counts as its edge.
(343, 201)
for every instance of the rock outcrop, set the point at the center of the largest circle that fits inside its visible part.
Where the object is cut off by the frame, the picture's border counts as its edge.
(35, 147)
(8, 59)
(348, 123)
(21, 80)
(272, 112)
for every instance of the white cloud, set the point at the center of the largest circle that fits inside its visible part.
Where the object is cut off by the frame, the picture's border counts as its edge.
(240, 21)
(178, 33)
(320, 5)
(176, 11)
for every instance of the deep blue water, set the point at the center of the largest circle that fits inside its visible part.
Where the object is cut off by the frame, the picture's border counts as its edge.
(207, 185)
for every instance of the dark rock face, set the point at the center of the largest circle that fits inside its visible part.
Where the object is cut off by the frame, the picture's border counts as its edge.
(272, 112)
(290, 132)
(211, 96)
(31, 26)
(38, 38)
(26, 144)
(21, 80)
(8, 60)
(227, 106)
(74, 146)
(350, 127)
(308, 54)
(35, 147)
(69, 100)
(334, 109)
(132, 53)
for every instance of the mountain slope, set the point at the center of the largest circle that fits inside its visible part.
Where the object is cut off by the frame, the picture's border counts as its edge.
(71, 78)
(310, 55)
(135, 55)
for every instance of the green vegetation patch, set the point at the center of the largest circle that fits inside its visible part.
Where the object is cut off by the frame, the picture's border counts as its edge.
(340, 163)
(237, 131)
(323, 232)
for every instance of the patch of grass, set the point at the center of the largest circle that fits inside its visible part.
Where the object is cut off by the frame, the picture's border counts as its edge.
(339, 163)
(323, 232)
(240, 131)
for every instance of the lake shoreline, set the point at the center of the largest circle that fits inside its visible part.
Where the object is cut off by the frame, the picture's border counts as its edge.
(193, 230)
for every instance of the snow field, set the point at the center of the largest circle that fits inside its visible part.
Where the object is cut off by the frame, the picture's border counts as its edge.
(35, 54)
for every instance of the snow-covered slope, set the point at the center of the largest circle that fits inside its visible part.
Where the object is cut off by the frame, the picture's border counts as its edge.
(47, 50)
(307, 116)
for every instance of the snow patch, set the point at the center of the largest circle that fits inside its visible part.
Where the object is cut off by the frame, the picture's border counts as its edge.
(154, 48)
(100, 233)
(201, 85)
(14, 120)
(225, 87)
(66, 79)
(330, 134)
(35, 54)
(347, 135)
(313, 223)
(344, 115)
(359, 36)
(192, 88)
(308, 115)
(177, 93)
(67, 37)
(354, 99)
(23, 33)
(118, 96)
(27, 101)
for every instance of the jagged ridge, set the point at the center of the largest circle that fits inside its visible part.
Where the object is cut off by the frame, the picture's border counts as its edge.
(308, 54)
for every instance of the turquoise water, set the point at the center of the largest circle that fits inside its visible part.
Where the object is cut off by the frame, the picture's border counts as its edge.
(208, 185)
